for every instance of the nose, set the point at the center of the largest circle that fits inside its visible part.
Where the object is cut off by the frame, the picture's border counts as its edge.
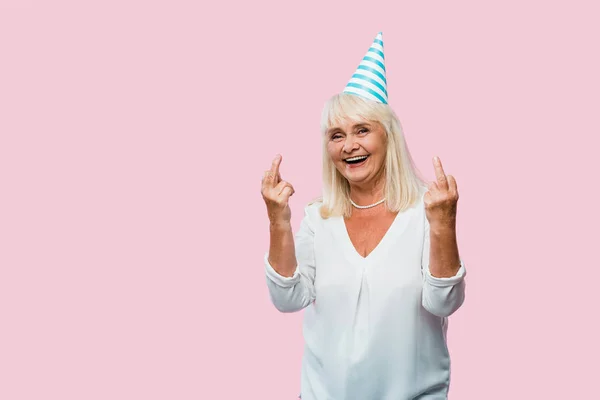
(350, 144)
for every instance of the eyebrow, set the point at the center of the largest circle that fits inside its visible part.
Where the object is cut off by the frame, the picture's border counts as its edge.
(335, 128)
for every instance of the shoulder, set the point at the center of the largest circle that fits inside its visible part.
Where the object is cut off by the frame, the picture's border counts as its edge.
(421, 209)
(312, 214)
(422, 190)
(312, 210)
(420, 203)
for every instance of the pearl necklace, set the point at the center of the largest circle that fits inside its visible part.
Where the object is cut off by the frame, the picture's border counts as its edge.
(369, 206)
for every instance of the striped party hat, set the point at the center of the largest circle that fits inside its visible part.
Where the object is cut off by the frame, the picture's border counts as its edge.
(369, 79)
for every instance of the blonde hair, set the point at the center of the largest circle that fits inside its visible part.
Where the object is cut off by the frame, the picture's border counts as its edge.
(403, 181)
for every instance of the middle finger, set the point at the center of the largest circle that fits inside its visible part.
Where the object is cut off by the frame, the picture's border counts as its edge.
(439, 173)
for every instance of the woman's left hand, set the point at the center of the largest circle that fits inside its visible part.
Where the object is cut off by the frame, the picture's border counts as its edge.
(441, 199)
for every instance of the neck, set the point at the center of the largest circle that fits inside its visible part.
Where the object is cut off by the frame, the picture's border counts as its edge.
(367, 194)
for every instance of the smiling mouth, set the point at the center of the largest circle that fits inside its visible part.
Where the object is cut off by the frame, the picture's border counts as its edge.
(355, 160)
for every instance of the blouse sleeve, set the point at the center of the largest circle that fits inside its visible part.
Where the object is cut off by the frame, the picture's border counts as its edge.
(290, 294)
(441, 296)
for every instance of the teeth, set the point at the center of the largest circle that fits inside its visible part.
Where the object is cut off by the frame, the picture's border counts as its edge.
(356, 158)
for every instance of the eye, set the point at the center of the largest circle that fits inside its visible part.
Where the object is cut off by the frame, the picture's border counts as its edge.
(336, 136)
(363, 130)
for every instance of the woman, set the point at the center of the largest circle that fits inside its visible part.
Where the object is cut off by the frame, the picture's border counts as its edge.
(375, 261)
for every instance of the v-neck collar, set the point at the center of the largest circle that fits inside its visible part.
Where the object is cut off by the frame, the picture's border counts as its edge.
(400, 219)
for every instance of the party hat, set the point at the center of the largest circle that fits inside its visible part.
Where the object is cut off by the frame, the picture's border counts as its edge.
(369, 79)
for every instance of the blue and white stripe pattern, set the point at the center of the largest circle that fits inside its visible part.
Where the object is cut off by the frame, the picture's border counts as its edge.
(369, 79)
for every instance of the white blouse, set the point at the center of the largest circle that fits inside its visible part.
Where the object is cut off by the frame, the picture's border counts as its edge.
(374, 327)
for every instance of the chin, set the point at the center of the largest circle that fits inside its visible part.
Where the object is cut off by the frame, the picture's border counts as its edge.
(359, 177)
(352, 176)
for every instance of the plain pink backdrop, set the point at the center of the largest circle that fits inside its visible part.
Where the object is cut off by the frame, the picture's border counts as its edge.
(134, 135)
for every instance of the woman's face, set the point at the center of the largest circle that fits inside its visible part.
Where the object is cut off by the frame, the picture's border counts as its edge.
(357, 149)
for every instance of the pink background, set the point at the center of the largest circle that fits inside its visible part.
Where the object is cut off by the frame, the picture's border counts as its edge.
(134, 135)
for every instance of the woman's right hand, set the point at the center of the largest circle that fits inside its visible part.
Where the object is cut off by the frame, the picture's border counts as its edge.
(276, 193)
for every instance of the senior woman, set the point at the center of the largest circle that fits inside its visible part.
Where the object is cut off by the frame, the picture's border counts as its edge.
(375, 262)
